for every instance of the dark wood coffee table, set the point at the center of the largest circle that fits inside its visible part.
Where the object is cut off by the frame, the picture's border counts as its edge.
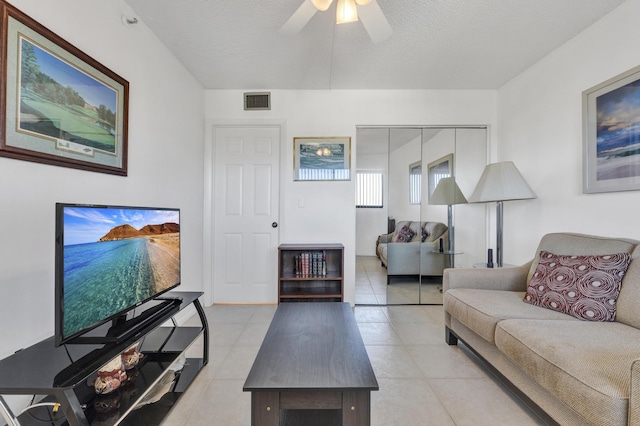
(312, 368)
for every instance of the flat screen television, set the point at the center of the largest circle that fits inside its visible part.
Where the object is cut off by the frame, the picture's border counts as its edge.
(108, 261)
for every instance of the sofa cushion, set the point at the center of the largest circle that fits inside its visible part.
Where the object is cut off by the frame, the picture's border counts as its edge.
(586, 287)
(481, 310)
(576, 361)
(434, 230)
(404, 235)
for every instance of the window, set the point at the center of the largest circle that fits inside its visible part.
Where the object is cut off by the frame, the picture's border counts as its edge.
(415, 183)
(368, 189)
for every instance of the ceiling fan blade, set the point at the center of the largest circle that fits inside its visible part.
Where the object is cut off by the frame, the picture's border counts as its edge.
(299, 18)
(374, 21)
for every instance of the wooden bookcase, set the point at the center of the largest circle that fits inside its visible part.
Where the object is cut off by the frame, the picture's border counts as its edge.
(321, 281)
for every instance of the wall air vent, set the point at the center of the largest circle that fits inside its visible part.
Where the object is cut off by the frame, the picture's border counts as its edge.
(257, 100)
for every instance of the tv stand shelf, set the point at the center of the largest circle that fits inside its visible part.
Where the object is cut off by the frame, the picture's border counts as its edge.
(64, 373)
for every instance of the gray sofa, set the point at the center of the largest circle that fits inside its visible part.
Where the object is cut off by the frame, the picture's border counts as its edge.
(579, 372)
(419, 255)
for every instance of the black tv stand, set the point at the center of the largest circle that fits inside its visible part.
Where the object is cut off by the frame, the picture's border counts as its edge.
(64, 373)
(154, 312)
(124, 326)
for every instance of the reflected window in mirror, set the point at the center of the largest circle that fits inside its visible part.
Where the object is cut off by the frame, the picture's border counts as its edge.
(439, 169)
(368, 189)
(415, 182)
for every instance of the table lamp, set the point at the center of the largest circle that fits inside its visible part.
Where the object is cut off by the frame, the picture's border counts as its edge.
(447, 193)
(501, 182)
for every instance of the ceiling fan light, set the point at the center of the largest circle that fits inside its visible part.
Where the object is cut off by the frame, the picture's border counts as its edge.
(346, 11)
(363, 2)
(322, 5)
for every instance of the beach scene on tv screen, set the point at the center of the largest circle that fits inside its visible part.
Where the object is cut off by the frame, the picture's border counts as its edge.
(115, 258)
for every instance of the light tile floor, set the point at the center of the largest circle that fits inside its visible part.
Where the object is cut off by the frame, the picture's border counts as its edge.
(423, 381)
(372, 287)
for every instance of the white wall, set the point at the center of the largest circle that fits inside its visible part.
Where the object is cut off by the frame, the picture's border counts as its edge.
(165, 164)
(330, 205)
(540, 129)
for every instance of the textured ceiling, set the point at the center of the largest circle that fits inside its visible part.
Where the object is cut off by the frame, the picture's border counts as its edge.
(436, 44)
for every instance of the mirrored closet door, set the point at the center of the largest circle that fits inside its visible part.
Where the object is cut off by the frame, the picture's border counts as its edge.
(423, 223)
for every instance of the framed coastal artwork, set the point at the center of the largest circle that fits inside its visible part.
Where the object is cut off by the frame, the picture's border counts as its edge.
(611, 134)
(322, 158)
(61, 107)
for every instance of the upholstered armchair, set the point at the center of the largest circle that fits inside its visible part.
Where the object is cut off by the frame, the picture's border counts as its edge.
(413, 249)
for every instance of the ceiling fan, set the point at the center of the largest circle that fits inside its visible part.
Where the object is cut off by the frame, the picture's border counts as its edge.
(368, 11)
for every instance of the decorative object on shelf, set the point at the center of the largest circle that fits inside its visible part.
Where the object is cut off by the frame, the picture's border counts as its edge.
(369, 12)
(110, 376)
(322, 158)
(447, 193)
(611, 130)
(131, 356)
(490, 258)
(62, 107)
(501, 182)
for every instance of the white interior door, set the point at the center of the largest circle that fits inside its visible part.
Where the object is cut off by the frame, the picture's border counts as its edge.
(246, 198)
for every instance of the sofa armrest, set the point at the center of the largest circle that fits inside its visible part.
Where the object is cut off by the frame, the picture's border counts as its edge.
(634, 395)
(384, 239)
(512, 279)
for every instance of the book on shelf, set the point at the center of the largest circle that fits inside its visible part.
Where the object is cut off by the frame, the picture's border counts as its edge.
(310, 264)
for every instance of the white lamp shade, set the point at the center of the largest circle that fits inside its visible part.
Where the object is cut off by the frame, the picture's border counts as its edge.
(322, 5)
(501, 182)
(346, 11)
(447, 193)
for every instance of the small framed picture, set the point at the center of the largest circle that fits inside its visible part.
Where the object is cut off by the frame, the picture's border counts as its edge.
(611, 134)
(322, 158)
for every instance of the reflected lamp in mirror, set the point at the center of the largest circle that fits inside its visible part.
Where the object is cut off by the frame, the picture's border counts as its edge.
(501, 182)
(447, 193)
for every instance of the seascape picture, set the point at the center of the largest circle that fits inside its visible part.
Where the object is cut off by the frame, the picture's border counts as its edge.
(58, 101)
(115, 258)
(618, 133)
(322, 158)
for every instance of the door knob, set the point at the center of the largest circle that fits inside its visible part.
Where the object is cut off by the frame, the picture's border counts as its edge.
(274, 225)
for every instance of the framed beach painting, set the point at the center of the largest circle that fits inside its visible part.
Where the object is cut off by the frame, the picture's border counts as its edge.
(61, 107)
(322, 158)
(611, 133)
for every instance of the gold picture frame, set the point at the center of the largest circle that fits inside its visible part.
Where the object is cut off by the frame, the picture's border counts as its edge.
(322, 158)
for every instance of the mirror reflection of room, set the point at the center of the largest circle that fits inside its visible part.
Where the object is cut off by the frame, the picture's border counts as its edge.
(416, 234)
